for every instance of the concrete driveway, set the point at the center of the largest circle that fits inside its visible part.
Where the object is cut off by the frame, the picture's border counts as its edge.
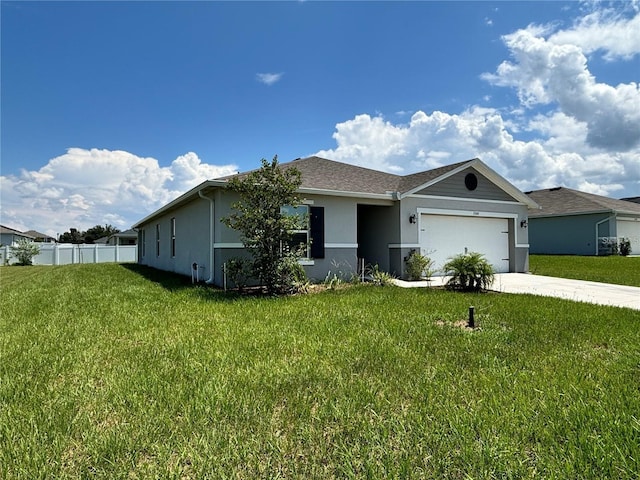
(576, 290)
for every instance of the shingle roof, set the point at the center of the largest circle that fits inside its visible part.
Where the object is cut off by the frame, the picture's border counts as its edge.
(320, 173)
(127, 233)
(36, 234)
(409, 182)
(13, 231)
(337, 178)
(566, 201)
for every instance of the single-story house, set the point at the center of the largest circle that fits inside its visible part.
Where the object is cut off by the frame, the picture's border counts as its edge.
(128, 237)
(578, 223)
(11, 236)
(354, 213)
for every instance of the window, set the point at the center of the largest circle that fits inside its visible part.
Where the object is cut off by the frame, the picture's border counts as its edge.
(173, 237)
(471, 181)
(300, 236)
(157, 240)
(311, 232)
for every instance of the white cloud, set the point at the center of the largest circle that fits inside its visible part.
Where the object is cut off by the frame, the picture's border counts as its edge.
(269, 78)
(603, 30)
(83, 188)
(558, 156)
(588, 138)
(554, 71)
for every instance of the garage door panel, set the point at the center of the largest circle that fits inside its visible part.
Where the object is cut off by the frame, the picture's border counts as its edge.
(631, 230)
(443, 236)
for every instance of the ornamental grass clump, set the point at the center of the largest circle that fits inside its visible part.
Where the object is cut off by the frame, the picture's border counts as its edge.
(470, 272)
(419, 266)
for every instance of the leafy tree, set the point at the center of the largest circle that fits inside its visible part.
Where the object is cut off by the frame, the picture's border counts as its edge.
(99, 231)
(24, 251)
(265, 230)
(90, 236)
(72, 236)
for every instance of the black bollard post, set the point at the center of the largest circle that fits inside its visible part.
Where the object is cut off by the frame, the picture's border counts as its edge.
(472, 323)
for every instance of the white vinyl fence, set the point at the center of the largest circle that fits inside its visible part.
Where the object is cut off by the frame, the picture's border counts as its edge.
(67, 253)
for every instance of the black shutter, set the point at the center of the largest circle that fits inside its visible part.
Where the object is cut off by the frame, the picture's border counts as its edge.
(316, 231)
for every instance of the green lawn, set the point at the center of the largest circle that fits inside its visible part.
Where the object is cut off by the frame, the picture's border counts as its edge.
(111, 371)
(612, 269)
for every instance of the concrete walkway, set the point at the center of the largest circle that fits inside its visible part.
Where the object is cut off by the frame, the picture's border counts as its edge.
(576, 290)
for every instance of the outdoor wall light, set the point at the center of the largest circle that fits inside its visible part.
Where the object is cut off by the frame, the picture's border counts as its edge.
(412, 218)
(524, 224)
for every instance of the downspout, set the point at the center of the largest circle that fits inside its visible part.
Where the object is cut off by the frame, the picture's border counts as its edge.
(597, 225)
(211, 252)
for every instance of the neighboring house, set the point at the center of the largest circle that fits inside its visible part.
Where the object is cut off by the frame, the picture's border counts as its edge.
(631, 199)
(128, 237)
(578, 223)
(40, 237)
(355, 213)
(10, 236)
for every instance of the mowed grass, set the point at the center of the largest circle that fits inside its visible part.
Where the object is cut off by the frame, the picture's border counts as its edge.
(112, 371)
(611, 269)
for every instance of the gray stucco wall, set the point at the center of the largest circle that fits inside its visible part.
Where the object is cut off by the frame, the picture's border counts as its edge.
(568, 235)
(454, 186)
(192, 239)
(518, 237)
(376, 229)
(340, 236)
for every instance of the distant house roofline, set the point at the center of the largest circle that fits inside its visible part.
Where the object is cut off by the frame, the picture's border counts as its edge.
(562, 201)
(9, 230)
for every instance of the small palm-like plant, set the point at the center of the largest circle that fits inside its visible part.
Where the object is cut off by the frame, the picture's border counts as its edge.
(469, 272)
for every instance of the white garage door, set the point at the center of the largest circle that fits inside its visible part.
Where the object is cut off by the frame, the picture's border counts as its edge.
(631, 230)
(442, 236)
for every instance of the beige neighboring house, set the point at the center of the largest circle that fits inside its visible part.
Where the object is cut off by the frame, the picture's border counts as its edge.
(40, 237)
(355, 215)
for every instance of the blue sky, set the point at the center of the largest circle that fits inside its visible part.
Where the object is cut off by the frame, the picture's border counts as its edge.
(111, 109)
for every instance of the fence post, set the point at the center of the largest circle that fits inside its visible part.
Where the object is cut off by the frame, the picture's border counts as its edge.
(117, 252)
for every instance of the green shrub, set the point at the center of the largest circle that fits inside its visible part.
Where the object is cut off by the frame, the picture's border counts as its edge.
(24, 251)
(469, 272)
(238, 271)
(419, 266)
(291, 276)
(625, 247)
